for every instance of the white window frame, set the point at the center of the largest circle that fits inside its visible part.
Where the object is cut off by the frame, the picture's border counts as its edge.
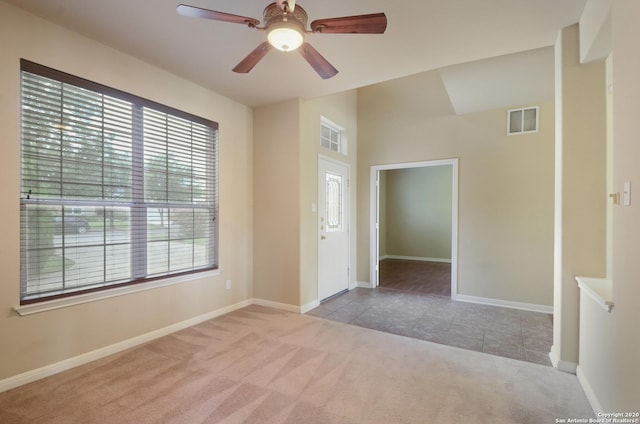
(342, 136)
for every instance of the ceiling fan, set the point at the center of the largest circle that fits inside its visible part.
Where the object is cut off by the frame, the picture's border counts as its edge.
(286, 27)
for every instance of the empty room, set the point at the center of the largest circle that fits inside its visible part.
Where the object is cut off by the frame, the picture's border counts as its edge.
(202, 201)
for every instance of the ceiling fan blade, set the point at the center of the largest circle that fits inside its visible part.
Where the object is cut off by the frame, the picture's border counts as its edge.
(197, 12)
(253, 58)
(317, 61)
(375, 23)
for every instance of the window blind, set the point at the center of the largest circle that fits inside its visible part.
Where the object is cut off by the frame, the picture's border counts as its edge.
(116, 189)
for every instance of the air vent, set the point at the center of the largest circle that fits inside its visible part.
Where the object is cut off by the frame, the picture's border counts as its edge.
(523, 120)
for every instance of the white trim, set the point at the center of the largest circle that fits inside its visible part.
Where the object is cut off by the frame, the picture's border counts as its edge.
(588, 391)
(342, 146)
(505, 303)
(363, 284)
(522, 131)
(374, 247)
(416, 258)
(598, 289)
(373, 215)
(454, 229)
(554, 356)
(50, 305)
(566, 366)
(560, 365)
(309, 306)
(48, 370)
(277, 305)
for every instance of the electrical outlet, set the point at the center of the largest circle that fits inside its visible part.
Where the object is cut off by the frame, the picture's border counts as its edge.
(228, 284)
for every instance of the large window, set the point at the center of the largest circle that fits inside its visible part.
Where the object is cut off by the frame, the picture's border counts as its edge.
(115, 189)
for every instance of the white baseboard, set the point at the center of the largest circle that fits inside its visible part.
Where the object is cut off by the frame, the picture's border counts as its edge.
(285, 306)
(559, 364)
(554, 356)
(588, 391)
(568, 367)
(505, 303)
(277, 305)
(309, 306)
(416, 258)
(48, 370)
(363, 284)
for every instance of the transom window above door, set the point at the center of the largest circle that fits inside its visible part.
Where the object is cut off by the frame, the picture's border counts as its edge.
(332, 136)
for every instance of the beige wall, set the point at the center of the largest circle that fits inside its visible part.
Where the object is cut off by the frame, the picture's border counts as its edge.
(34, 341)
(276, 203)
(287, 145)
(611, 370)
(505, 183)
(580, 227)
(418, 212)
(621, 382)
(341, 109)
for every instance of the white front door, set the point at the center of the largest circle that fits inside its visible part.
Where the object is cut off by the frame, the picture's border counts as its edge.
(333, 227)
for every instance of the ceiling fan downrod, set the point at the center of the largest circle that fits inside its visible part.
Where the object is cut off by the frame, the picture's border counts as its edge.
(287, 6)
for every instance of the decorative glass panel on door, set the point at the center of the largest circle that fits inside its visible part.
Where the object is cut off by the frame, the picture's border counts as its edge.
(334, 206)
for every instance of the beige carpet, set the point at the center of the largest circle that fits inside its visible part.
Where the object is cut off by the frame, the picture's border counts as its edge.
(260, 365)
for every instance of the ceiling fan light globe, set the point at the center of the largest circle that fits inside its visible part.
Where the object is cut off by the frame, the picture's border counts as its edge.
(285, 38)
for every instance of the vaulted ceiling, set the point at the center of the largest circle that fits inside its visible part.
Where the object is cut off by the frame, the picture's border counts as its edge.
(422, 35)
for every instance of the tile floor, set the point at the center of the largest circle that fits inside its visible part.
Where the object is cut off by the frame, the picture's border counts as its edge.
(495, 330)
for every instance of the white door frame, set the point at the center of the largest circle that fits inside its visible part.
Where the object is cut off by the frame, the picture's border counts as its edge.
(374, 213)
(347, 218)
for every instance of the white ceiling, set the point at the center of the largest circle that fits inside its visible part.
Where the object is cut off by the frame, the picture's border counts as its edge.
(422, 35)
(516, 79)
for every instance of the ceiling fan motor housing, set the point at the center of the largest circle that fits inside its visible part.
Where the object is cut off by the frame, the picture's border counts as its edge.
(273, 15)
(285, 30)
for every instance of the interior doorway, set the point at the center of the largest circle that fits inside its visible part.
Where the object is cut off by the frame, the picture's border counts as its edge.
(414, 226)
